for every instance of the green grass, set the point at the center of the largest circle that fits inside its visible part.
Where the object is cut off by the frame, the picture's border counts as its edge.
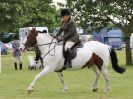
(13, 84)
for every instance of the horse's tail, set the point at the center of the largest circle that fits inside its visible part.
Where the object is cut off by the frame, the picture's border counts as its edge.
(114, 62)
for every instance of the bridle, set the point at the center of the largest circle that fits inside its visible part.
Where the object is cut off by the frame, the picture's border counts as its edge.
(37, 45)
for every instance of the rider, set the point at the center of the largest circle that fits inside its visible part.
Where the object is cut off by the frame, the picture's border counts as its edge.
(71, 36)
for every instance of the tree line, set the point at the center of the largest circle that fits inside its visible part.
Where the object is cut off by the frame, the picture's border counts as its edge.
(90, 14)
(23, 13)
(96, 14)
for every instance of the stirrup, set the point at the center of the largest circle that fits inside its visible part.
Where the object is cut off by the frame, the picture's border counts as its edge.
(68, 65)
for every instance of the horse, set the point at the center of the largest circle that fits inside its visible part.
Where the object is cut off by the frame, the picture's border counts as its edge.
(93, 55)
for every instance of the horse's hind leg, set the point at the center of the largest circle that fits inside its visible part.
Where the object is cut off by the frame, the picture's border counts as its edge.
(45, 71)
(61, 77)
(106, 77)
(97, 72)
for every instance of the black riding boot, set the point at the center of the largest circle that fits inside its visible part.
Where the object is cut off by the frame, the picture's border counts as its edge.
(20, 66)
(15, 65)
(68, 63)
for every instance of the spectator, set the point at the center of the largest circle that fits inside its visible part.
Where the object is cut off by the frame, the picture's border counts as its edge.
(16, 53)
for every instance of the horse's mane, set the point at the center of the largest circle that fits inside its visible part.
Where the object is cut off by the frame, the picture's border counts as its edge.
(46, 36)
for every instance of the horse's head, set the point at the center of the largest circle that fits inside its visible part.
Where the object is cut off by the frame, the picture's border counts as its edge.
(29, 40)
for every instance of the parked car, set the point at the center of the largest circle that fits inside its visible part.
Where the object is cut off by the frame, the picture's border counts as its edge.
(7, 37)
(112, 37)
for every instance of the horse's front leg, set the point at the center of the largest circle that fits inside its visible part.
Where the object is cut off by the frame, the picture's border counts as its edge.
(61, 77)
(45, 71)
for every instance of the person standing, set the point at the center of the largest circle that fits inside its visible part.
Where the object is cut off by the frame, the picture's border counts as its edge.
(70, 35)
(16, 53)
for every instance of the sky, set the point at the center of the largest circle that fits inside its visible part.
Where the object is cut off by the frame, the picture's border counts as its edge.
(62, 1)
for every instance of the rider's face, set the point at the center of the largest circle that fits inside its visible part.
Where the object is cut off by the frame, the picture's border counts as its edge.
(65, 18)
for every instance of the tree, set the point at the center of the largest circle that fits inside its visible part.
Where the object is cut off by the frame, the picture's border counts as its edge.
(24, 13)
(9, 11)
(101, 12)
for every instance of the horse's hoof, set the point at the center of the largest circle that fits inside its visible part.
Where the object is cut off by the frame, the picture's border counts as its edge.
(30, 91)
(107, 90)
(64, 90)
(95, 90)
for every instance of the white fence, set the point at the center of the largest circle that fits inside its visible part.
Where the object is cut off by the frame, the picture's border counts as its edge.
(0, 59)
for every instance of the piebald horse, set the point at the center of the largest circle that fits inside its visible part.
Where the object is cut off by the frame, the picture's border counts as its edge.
(93, 54)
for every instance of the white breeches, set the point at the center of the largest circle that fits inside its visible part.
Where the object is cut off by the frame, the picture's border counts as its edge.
(18, 59)
(69, 44)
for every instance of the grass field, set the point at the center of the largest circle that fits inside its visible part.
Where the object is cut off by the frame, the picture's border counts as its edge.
(13, 84)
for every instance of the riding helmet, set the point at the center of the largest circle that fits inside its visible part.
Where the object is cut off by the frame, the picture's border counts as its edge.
(64, 12)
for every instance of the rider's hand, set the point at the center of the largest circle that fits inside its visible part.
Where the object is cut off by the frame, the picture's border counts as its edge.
(60, 38)
(55, 36)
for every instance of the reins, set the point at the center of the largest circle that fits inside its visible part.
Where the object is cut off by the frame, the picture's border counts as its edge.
(56, 43)
(46, 44)
(50, 51)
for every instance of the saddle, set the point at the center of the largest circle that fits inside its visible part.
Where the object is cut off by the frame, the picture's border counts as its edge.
(78, 44)
(72, 53)
(73, 50)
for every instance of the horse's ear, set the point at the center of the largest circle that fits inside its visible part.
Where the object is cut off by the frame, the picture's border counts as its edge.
(34, 29)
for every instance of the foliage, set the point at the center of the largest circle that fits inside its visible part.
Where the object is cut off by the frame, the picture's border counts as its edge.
(88, 14)
(23, 13)
(101, 13)
(9, 11)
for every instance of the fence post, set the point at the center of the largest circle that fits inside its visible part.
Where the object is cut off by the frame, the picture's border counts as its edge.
(0, 60)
